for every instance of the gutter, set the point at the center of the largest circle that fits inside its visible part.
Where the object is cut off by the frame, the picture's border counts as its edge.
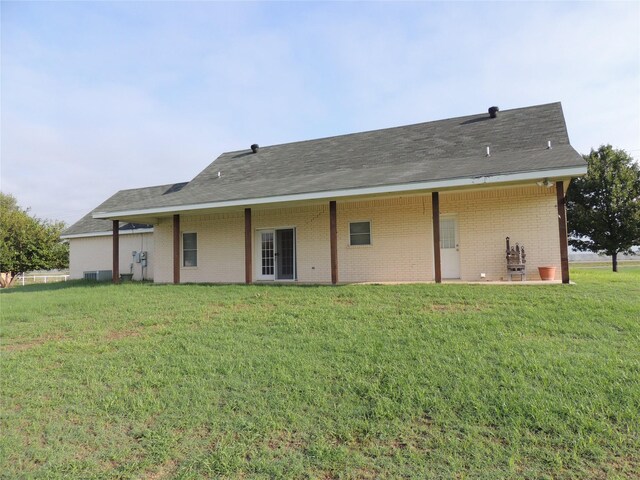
(404, 187)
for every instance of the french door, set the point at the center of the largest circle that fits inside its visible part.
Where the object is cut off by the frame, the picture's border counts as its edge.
(276, 249)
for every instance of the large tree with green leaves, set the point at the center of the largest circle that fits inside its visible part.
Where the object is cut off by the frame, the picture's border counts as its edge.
(603, 207)
(28, 243)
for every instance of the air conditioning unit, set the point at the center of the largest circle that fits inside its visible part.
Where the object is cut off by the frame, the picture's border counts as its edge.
(98, 275)
(90, 275)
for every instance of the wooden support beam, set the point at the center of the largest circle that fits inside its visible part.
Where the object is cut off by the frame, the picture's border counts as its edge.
(115, 268)
(435, 207)
(247, 247)
(562, 224)
(176, 249)
(333, 238)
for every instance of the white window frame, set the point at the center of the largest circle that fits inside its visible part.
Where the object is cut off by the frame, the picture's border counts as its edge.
(370, 233)
(183, 249)
(454, 217)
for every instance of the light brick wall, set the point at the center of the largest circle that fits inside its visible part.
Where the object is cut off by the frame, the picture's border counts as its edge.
(220, 248)
(312, 238)
(401, 240)
(528, 215)
(401, 229)
(221, 244)
(95, 253)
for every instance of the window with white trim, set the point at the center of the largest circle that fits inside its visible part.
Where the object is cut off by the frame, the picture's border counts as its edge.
(447, 233)
(360, 233)
(189, 249)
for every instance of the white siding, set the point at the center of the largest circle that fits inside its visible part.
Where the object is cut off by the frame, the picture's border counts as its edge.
(95, 253)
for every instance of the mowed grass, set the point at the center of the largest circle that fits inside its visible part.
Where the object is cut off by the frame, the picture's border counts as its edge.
(407, 381)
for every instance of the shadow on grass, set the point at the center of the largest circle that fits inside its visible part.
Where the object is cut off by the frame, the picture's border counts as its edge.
(244, 285)
(47, 287)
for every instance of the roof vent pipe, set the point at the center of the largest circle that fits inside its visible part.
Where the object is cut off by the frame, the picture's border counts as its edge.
(493, 112)
(488, 151)
(549, 147)
(254, 148)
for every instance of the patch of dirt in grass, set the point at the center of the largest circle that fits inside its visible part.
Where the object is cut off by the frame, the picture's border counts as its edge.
(425, 421)
(240, 307)
(418, 438)
(120, 334)
(496, 440)
(84, 452)
(324, 475)
(166, 470)
(399, 444)
(344, 301)
(285, 441)
(114, 335)
(367, 473)
(201, 432)
(36, 342)
(617, 467)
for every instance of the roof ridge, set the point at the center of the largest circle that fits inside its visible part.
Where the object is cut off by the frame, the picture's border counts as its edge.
(343, 135)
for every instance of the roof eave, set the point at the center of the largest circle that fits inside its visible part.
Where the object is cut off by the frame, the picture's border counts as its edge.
(434, 185)
(105, 234)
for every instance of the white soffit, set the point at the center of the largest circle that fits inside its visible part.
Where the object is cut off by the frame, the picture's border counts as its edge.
(405, 187)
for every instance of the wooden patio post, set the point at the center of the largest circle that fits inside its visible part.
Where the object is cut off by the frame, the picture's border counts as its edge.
(115, 268)
(435, 206)
(333, 240)
(562, 224)
(176, 249)
(247, 246)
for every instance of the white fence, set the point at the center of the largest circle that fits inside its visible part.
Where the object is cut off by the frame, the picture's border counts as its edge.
(41, 278)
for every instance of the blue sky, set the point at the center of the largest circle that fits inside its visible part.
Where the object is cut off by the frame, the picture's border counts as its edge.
(103, 96)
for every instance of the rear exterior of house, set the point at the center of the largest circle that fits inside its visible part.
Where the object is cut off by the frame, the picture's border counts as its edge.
(398, 248)
(426, 202)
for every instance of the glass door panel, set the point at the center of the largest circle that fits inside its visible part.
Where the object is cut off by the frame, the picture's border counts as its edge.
(267, 255)
(285, 254)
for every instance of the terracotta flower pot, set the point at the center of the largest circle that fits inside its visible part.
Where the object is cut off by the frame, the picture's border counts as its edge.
(547, 273)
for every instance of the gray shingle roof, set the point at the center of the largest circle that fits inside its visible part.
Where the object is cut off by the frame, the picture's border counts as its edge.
(122, 199)
(440, 150)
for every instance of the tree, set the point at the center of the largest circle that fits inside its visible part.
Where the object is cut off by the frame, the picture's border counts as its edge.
(603, 207)
(28, 243)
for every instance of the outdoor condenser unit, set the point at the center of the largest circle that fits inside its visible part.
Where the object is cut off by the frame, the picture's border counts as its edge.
(98, 275)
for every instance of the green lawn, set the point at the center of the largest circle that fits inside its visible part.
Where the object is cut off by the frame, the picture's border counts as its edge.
(407, 381)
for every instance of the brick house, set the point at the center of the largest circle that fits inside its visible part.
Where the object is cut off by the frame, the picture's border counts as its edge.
(422, 202)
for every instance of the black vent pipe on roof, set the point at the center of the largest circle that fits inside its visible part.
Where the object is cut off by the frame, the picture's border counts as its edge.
(254, 148)
(493, 112)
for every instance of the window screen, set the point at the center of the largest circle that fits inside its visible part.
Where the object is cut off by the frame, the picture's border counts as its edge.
(189, 249)
(447, 233)
(360, 233)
